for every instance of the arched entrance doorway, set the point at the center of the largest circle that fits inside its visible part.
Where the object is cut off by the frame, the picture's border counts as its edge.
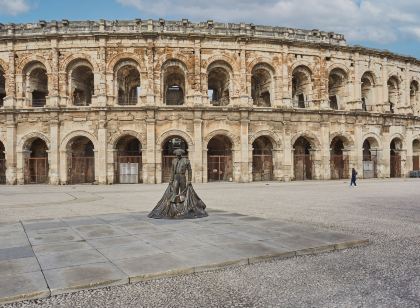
(262, 159)
(2, 164)
(128, 163)
(395, 158)
(81, 161)
(302, 160)
(338, 162)
(370, 159)
(416, 155)
(219, 159)
(172, 143)
(36, 164)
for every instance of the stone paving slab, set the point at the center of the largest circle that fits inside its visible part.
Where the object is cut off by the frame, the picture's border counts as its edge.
(71, 254)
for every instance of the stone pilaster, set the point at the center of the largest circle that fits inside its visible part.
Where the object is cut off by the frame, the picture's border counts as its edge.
(101, 152)
(149, 167)
(244, 152)
(10, 149)
(53, 151)
(198, 149)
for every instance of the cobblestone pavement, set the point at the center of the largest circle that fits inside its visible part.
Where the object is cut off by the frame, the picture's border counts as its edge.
(384, 274)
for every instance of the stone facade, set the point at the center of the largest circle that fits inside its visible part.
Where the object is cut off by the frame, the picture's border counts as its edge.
(82, 99)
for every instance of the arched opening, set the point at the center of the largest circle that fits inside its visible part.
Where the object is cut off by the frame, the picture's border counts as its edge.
(174, 85)
(370, 158)
(367, 86)
(128, 83)
(82, 84)
(337, 82)
(36, 84)
(2, 87)
(2, 164)
(261, 83)
(36, 163)
(339, 163)
(128, 163)
(414, 96)
(301, 86)
(169, 146)
(302, 159)
(416, 155)
(81, 161)
(218, 83)
(395, 155)
(219, 159)
(262, 159)
(393, 93)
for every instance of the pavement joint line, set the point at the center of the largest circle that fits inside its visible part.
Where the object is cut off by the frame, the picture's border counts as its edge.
(35, 295)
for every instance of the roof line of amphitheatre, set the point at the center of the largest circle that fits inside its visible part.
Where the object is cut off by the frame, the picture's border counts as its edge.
(185, 27)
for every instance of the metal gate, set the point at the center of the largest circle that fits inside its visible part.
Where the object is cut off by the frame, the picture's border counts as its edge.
(36, 170)
(395, 166)
(416, 163)
(3, 171)
(219, 168)
(303, 166)
(369, 167)
(262, 167)
(82, 170)
(129, 169)
(339, 167)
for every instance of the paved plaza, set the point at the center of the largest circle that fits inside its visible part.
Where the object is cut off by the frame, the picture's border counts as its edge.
(60, 239)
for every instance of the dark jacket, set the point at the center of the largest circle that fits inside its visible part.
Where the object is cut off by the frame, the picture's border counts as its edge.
(183, 166)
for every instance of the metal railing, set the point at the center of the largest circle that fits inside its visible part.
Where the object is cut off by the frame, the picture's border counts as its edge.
(39, 102)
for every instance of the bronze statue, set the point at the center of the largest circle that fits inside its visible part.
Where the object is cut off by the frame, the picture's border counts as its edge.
(179, 200)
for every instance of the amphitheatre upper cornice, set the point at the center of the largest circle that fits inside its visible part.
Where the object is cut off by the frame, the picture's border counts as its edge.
(184, 27)
(161, 26)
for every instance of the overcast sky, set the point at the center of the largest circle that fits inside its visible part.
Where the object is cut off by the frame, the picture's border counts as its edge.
(383, 24)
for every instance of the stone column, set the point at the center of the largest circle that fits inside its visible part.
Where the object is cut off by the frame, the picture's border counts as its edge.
(409, 152)
(205, 171)
(10, 99)
(63, 167)
(198, 99)
(287, 99)
(385, 160)
(403, 155)
(357, 84)
(323, 82)
(53, 153)
(10, 149)
(21, 156)
(358, 148)
(244, 96)
(100, 98)
(53, 78)
(325, 150)
(149, 169)
(384, 90)
(288, 154)
(277, 164)
(244, 156)
(101, 152)
(197, 158)
(150, 91)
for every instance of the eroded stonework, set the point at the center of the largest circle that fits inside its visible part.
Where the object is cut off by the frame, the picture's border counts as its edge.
(107, 102)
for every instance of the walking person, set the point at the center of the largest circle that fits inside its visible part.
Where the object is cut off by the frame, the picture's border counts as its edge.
(353, 177)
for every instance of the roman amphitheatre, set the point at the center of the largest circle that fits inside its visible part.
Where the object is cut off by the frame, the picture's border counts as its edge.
(108, 102)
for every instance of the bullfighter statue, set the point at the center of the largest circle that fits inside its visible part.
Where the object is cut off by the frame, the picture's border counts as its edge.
(179, 200)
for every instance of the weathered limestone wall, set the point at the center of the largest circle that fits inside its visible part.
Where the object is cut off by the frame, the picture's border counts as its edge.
(158, 48)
